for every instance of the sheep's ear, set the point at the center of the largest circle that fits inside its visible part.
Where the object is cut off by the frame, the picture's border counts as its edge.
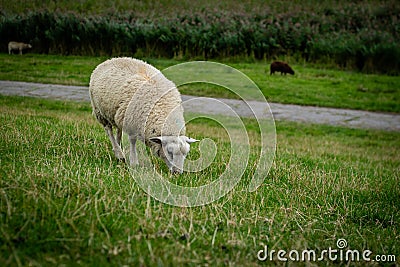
(190, 140)
(157, 139)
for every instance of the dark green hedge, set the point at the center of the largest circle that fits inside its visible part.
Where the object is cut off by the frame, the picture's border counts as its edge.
(354, 36)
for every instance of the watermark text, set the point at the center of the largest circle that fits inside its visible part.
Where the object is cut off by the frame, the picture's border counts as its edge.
(338, 253)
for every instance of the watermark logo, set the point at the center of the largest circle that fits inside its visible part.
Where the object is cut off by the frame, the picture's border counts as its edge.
(339, 253)
(229, 115)
(341, 243)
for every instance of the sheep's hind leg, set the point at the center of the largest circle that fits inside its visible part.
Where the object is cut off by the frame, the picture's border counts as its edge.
(116, 146)
(133, 159)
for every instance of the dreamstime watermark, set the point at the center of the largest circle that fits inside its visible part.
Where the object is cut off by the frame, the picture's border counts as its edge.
(228, 116)
(339, 253)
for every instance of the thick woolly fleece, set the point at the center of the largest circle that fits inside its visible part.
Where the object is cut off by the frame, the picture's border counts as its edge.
(132, 95)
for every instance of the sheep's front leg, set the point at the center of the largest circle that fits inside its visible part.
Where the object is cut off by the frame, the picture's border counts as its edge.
(133, 159)
(116, 147)
(119, 136)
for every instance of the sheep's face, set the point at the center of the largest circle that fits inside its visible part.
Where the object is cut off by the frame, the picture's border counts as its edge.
(174, 150)
(290, 71)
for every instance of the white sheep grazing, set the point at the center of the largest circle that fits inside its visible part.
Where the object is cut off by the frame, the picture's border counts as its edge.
(17, 46)
(136, 98)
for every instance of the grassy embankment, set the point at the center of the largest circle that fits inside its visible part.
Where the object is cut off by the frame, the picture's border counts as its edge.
(64, 199)
(311, 85)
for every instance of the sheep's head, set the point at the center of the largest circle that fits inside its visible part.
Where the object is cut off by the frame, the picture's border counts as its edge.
(174, 150)
(291, 71)
(288, 69)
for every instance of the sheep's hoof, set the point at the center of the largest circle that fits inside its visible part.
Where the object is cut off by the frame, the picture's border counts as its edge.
(120, 156)
(133, 163)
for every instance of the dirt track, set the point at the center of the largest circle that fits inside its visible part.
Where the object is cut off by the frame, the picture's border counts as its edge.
(329, 116)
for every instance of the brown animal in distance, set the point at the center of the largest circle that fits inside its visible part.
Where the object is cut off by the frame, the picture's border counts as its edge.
(282, 67)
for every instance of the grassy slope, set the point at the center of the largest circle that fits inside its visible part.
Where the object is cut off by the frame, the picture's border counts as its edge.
(65, 200)
(310, 86)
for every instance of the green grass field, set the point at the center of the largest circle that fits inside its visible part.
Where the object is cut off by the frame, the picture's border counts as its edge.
(312, 85)
(66, 201)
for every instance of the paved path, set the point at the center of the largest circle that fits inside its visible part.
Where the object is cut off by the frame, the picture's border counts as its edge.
(330, 116)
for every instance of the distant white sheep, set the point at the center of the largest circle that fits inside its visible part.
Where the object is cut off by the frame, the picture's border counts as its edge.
(136, 98)
(17, 46)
